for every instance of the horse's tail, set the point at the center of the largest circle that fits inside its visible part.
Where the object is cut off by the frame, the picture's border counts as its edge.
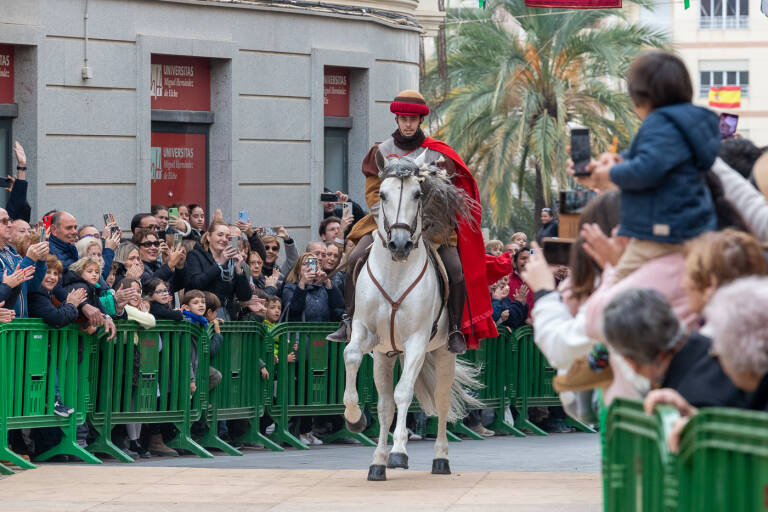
(465, 379)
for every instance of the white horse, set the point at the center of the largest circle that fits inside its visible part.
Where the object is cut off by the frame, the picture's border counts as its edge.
(397, 301)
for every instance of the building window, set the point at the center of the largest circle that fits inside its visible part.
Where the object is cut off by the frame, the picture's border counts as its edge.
(709, 79)
(718, 14)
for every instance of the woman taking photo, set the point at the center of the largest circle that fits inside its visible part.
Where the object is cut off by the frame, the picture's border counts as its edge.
(172, 271)
(217, 267)
(309, 295)
(272, 251)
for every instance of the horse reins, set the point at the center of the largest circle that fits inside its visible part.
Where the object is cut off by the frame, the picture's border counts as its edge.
(411, 228)
(395, 304)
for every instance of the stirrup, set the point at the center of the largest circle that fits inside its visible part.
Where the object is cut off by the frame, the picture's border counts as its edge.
(457, 343)
(344, 333)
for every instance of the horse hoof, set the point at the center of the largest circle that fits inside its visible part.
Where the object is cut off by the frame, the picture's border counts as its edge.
(357, 426)
(377, 473)
(397, 460)
(441, 467)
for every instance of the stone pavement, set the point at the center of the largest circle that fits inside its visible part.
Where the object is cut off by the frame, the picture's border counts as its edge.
(558, 473)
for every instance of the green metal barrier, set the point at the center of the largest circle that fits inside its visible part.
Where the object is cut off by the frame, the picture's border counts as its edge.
(723, 461)
(31, 355)
(534, 383)
(242, 393)
(314, 384)
(144, 377)
(639, 470)
(497, 359)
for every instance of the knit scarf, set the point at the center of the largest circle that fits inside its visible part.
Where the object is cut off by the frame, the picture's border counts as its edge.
(196, 319)
(408, 143)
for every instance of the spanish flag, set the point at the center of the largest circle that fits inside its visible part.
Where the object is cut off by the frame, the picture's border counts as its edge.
(728, 96)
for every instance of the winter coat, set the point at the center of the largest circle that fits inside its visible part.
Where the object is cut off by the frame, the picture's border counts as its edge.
(315, 303)
(163, 312)
(64, 251)
(17, 206)
(515, 282)
(175, 278)
(517, 312)
(202, 273)
(16, 298)
(664, 194)
(700, 379)
(548, 230)
(73, 281)
(41, 305)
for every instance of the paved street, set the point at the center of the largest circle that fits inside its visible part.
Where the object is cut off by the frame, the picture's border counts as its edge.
(559, 473)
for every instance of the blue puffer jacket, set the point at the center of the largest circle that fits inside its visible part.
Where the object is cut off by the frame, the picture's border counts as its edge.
(664, 195)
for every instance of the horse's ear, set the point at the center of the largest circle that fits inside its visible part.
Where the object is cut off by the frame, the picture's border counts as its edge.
(380, 161)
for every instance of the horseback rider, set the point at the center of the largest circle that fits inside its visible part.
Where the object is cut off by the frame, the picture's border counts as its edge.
(462, 253)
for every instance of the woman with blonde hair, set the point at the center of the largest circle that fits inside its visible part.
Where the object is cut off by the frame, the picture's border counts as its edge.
(272, 251)
(217, 267)
(309, 295)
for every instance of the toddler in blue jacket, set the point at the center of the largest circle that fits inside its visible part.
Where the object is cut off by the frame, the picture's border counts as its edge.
(665, 199)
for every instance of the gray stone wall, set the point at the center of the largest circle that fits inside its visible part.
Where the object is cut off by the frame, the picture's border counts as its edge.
(89, 140)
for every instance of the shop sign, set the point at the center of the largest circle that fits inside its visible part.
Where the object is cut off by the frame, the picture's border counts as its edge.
(178, 168)
(180, 83)
(336, 92)
(6, 73)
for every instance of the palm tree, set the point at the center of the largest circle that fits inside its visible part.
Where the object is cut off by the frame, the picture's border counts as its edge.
(514, 87)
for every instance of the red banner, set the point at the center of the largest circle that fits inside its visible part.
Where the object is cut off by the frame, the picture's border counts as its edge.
(180, 83)
(6, 74)
(179, 168)
(575, 4)
(336, 92)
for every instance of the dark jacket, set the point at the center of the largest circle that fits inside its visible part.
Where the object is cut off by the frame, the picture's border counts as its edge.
(664, 194)
(204, 274)
(41, 306)
(548, 230)
(700, 379)
(16, 298)
(517, 312)
(108, 255)
(17, 206)
(72, 281)
(163, 312)
(65, 252)
(312, 304)
(176, 279)
(759, 399)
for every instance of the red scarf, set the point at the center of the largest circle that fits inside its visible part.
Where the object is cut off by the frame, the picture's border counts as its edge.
(477, 322)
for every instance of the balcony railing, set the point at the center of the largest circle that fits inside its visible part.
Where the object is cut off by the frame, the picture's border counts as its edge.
(723, 22)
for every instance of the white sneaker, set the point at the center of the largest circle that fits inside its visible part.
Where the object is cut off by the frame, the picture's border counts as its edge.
(508, 416)
(270, 429)
(413, 436)
(481, 430)
(305, 439)
(314, 439)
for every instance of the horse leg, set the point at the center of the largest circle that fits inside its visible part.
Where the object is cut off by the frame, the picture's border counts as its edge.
(445, 367)
(353, 356)
(413, 360)
(383, 368)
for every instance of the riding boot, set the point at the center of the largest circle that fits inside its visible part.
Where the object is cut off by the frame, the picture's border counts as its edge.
(456, 341)
(344, 332)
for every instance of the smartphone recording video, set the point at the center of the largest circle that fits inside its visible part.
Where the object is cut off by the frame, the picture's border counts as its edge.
(728, 123)
(243, 216)
(557, 251)
(312, 264)
(580, 153)
(328, 197)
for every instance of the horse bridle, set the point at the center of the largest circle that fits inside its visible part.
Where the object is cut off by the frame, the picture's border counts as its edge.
(411, 228)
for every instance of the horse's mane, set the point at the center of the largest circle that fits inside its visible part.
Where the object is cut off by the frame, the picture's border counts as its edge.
(443, 204)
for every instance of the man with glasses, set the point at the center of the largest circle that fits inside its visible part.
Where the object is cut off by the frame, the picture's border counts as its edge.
(19, 275)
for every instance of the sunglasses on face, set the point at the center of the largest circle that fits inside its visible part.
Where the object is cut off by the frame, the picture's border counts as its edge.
(150, 244)
(272, 247)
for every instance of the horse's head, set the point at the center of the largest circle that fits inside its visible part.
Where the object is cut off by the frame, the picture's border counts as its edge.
(399, 218)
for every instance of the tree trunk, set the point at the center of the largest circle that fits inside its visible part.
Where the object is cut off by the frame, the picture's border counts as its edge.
(538, 200)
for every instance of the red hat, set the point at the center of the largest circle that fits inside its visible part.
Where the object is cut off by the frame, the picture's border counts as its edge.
(409, 103)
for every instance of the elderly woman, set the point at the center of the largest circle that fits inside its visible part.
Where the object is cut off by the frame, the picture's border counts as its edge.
(738, 319)
(128, 263)
(641, 326)
(272, 251)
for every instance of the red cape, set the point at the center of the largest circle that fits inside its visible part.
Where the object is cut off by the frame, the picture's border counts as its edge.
(477, 322)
